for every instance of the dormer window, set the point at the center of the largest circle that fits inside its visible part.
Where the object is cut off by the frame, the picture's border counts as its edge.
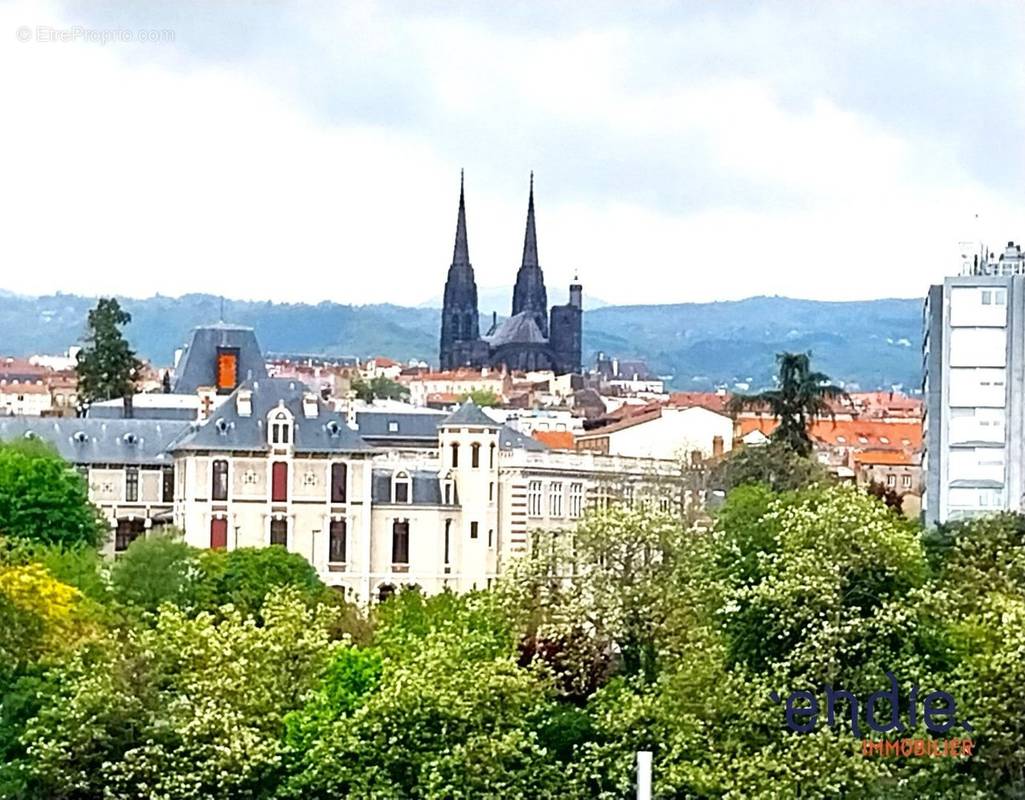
(402, 488)
(280, 427)
(227, 369)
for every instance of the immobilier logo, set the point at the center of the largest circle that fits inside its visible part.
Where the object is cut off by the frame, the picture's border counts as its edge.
(938, 714)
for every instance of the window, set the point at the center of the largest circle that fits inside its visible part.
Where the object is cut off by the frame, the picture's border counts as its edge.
(279, 532)
(473, 530)
(227, 370)
(393, 427)
(400, 542)
(891, 480)
(219, 490)
(491, 492)
(401, 489)
(339, 475)
(628, 496)
(555, 499)
(336, 541)
(455, 454)
(987, 297)
(905, 481)
(448, 541)
(131, 484)
(280, 428)
(491, 537)
(475, 455)
(218, 534)
(128, 530)
(167, 488)
(491, 456)
(1000, 297)
(576, 499)
(534, 499)
(386, 591)
(279, 482)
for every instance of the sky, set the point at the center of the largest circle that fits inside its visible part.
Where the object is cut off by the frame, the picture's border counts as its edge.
(682, 151)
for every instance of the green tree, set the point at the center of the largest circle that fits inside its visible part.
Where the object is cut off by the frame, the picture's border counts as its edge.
(775, 465)
(482, 398)
(188, 708)
(801, 396)
(244, 577)
(158, 568)
(43, 500)
(107, 367)
(379, 388)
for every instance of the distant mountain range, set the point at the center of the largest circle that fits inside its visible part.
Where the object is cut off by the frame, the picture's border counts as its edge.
(869, 344)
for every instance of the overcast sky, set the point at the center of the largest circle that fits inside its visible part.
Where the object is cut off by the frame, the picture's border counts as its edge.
(682, 151)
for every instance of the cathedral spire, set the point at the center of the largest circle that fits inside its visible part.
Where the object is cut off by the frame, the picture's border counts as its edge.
(461, 256)
(529, 294)
(530, 238)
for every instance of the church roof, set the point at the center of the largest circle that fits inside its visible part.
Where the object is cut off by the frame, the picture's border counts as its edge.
(226, 429)
(198, 364)
(519, 328)
(469, 414)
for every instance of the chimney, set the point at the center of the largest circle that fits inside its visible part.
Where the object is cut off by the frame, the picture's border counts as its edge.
(129, 410)
(244, 402)
(310, 406)
(717, 446)
(207, 401)
(695, 458)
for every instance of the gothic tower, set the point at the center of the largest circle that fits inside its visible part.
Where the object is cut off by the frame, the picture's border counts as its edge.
(529, 295)
(460, 325)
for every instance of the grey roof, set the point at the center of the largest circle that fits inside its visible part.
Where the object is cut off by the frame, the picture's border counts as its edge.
(198, 364)
(118, 412)
(99, 441)
(519, 328)
(378, 425)
(469, 414)
(426, 488)
(511, 439)
(227, 430)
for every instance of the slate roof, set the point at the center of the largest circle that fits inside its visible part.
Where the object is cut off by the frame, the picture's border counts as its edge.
(469, 414)
(99, 441)
(519, 328)
(512, 439)
(426, 487)
(152, 412)
(198, 364)
(227, 430)
(377, 425)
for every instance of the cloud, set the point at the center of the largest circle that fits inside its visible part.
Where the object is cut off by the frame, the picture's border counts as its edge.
(312, 154)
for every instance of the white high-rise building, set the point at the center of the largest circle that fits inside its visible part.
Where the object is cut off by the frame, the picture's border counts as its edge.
(974, 383)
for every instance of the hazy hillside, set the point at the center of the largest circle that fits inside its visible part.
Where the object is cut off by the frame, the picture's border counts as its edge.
(871, 343)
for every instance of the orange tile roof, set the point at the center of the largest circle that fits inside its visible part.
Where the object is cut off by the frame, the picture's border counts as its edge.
(856, 433)
(709, 400)
(444, 397)
(899, 458)
(557, 440)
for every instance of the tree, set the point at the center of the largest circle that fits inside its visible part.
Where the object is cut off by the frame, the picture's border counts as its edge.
(244, 577)
(43, 500)
(381, 387)
(107, 367)
(482, 398)
(801, 396)
(155, 569)
(775, 465)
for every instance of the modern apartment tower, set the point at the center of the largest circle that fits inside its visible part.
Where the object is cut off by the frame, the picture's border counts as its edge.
(974, 383)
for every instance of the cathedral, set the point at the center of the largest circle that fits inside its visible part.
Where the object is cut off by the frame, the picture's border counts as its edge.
(529, 339)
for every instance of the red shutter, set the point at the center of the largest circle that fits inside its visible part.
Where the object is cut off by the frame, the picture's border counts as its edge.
(218, 534)
(279, 482)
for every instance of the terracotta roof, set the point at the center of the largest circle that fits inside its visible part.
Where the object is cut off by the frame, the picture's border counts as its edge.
(710, 400)
(459, 375)
(634, 419)
(384, 361)
(556, 440)
(16, 387)
(856, 433)
(444, 397)
(901, 458)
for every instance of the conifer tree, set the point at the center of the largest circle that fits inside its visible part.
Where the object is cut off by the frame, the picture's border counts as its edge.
(107, 366)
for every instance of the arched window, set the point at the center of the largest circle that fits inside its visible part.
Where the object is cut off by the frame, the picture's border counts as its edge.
(219, 489)
(402, 489)
(280, 427)
(455, 454)
(449, 495)
(400, 542)
(475, 455)
(491, 456)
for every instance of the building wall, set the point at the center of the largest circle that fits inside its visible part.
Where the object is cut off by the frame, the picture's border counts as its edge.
(675, 434)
